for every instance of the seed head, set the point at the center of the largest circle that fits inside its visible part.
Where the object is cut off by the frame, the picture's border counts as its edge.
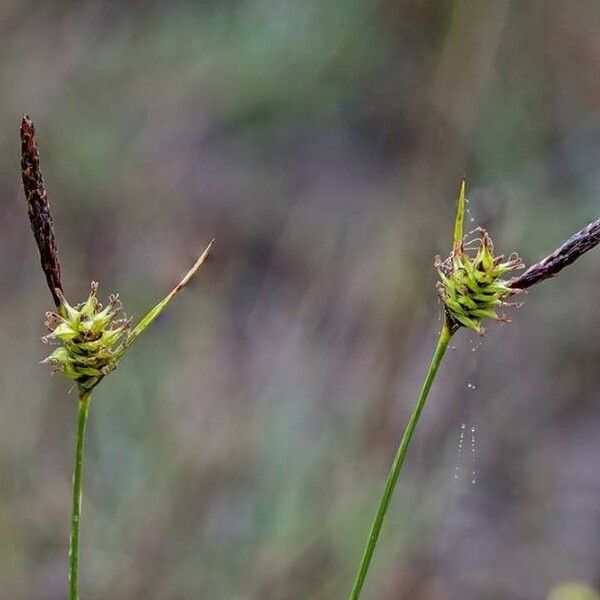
(91, 339)
(472, 286)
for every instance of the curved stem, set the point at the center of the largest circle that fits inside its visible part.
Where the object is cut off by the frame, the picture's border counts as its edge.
(390, 484)
(82, 415)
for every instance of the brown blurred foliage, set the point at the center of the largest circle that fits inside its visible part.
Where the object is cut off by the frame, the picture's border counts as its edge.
(239, 451)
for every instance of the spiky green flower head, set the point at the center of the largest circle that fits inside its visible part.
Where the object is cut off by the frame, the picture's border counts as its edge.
(91, 338)
(472, 284)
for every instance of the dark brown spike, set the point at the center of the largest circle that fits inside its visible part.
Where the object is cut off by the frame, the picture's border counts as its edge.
(569, 252)
(38, 208)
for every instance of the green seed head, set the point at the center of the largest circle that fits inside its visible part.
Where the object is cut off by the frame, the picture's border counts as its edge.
(90, 339)
(472, 285)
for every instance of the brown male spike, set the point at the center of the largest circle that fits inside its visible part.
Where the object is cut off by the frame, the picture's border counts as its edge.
(579, 243)
(38, 209)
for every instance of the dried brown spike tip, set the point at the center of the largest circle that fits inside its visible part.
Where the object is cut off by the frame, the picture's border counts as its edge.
(578, 244)
(38, 208)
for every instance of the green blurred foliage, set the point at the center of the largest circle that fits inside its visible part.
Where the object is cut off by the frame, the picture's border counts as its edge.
(573, 591)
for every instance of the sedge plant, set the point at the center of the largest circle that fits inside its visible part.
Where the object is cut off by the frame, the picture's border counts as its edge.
(473, 286)
(90, 338)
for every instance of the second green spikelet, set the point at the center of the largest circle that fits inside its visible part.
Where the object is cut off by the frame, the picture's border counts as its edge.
(472, 286)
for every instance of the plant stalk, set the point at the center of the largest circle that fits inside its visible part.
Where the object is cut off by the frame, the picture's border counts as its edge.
(82, 415)
(392, 478)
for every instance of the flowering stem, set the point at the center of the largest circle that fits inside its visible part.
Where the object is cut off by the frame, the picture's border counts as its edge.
(84, 405)
(445, 335)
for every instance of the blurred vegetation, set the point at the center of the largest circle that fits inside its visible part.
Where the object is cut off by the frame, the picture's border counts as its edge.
(239, 452)
(573, 591)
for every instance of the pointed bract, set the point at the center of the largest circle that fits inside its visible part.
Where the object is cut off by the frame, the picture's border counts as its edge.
(460, 217)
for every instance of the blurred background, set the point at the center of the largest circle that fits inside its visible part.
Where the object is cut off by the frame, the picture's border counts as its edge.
(240, 449)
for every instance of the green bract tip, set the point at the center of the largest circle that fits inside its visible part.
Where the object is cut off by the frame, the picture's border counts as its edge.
(460, 217)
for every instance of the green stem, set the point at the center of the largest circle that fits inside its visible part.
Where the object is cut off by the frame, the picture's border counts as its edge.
(84, 405)
(390, 484)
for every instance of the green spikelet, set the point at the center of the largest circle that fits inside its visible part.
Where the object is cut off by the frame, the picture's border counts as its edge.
(90, 339)
(471, 285)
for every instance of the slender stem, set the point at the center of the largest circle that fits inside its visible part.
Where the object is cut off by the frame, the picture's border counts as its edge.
(390, 484)
(82, 415)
